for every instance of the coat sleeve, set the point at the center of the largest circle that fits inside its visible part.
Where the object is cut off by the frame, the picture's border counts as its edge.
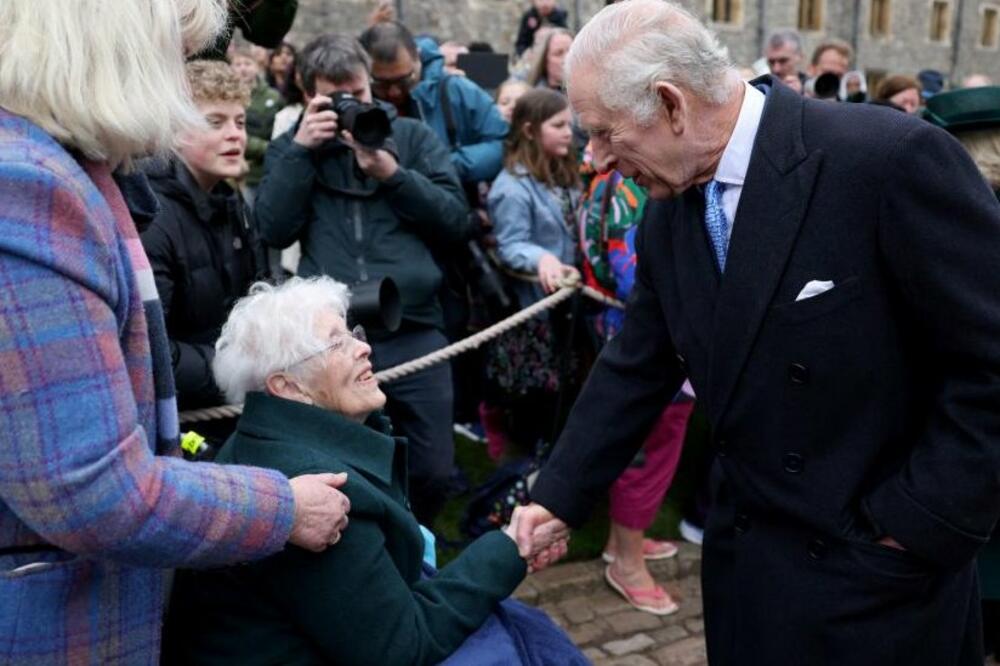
(632, 382)
(282, 207)
(510, 207)
(525, 35)
(76, 466)
(939, 234)
(192, 363)
(425, 192)
(480, 157)
(355, 607)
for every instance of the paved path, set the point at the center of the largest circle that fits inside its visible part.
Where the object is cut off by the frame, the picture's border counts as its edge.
(612, 633)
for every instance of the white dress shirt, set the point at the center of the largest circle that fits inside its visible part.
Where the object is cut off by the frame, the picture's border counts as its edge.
(736, 158)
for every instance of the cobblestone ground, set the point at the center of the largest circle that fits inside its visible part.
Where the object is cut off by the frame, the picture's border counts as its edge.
(612, 633)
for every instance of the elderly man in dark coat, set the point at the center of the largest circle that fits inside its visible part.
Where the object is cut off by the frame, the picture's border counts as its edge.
(826, 276)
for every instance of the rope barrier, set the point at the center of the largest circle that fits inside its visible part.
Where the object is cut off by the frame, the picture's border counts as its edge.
(474, 341)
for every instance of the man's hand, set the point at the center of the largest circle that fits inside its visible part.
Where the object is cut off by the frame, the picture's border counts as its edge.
(319, 123)
(320, 510)
(541, 537)
(373, 162)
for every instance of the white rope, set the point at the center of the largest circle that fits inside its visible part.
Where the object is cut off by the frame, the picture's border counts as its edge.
(472, 342)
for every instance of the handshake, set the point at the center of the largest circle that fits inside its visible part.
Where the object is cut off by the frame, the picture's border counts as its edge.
(541, 538)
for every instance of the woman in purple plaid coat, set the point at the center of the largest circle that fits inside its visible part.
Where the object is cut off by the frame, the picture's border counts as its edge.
(95, 505)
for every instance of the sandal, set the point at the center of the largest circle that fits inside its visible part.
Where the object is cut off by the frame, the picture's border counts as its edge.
(642, 599)
(651, 550)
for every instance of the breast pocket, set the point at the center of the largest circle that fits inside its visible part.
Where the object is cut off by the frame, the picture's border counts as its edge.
(816, 306)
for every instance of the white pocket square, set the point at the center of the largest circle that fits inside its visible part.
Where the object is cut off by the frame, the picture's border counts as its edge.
(814, 288)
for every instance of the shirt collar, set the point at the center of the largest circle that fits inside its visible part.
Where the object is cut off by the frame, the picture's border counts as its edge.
(736, 158)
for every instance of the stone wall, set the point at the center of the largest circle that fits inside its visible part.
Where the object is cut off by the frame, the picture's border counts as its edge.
(906, 49)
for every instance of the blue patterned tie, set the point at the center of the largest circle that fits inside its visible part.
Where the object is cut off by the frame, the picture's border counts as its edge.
(715, 221)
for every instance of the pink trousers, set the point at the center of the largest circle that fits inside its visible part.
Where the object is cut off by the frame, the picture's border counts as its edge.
(638, 492)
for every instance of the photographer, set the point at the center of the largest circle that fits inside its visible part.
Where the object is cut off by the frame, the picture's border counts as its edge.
(363, 213)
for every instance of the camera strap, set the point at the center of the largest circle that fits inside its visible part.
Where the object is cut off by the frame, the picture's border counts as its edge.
(449, 117)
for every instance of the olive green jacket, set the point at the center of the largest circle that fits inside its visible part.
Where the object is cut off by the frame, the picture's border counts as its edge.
(361, 601)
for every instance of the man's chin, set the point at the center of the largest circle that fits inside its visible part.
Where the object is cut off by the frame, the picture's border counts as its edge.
(660, 191)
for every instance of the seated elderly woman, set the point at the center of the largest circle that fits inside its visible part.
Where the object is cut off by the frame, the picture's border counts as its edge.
(312, 405)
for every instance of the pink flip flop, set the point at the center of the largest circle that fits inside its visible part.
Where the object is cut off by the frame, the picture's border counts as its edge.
(651, 550)
(641, 599)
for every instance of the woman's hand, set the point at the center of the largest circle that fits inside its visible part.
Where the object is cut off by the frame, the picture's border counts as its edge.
(320, 510)
(551, 272)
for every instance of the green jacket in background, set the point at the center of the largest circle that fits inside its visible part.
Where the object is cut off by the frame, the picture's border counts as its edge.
(265, 102)
(354, 228)
(361, 601)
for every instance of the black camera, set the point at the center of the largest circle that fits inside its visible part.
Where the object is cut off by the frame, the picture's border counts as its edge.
(369, 124)
(826, 86)
(375, 304)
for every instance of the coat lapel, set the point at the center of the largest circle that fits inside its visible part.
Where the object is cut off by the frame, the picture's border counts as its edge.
(694, 265)
(773, 203)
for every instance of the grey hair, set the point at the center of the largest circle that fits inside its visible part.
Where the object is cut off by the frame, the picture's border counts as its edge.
(272, 329)
(782, 37)
(636, 43)
(337, 57)
(104, 78)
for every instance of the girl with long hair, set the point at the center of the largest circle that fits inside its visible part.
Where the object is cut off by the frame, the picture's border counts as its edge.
(533, 205)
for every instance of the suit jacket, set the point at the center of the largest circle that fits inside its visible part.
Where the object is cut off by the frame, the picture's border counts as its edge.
(94, 502)
(876, 402)
(361, 601)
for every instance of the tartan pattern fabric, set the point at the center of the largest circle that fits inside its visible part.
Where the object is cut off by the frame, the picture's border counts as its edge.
(716, 222)
(88, 454)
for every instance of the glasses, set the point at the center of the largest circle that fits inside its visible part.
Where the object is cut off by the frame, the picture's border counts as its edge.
(404, 82)
(340, 344)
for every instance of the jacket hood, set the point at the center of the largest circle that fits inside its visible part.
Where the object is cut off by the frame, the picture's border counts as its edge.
(431, 60)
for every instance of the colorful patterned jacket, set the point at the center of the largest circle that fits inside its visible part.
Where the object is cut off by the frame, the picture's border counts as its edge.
(94, 504)
(611, 210)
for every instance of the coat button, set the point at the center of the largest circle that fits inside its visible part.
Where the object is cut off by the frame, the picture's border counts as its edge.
(793, 463)
(817, 549)
(798, 374)
(682, 362)
(741, 523)
(722, 448)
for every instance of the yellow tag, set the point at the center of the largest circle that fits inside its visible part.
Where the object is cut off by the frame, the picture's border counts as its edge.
(192, 442)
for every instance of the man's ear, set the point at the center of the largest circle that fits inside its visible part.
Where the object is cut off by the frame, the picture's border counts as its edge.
(285, 386)
(673, 105)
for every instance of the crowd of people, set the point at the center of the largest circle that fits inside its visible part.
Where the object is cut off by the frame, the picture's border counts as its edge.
(194, 239)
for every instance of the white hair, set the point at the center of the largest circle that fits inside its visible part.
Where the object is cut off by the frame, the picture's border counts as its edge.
(632, 45)
(272, 329)
(104, 78)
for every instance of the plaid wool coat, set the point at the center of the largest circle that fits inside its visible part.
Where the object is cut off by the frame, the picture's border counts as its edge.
(95, 507)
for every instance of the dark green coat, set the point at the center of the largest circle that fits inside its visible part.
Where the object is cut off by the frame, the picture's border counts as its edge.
(354, 228)
(362, 600)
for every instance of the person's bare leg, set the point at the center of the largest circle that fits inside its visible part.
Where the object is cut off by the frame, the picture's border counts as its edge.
(629, 566)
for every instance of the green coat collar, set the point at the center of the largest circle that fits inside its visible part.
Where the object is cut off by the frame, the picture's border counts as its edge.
(306, 430)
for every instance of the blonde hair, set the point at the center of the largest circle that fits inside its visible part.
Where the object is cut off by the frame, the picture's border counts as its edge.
(104, 78)
(983, 146)
(216, 81)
